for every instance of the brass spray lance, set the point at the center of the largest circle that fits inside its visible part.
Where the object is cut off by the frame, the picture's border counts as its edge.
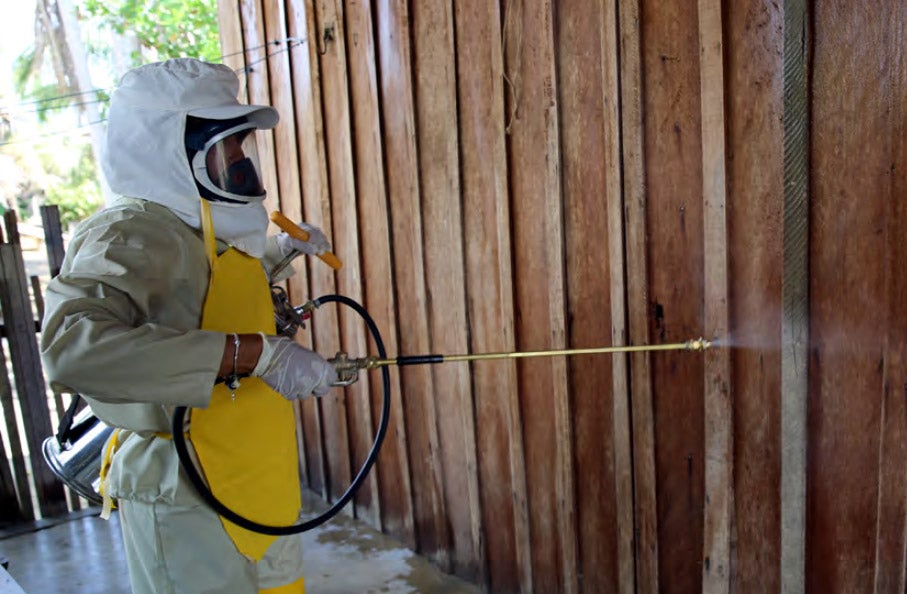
(347, 368)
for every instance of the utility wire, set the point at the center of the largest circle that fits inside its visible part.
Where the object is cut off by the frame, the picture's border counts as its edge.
(40, 137)
(62, 105)
(290, 41)
(48, 99)
(248, 67)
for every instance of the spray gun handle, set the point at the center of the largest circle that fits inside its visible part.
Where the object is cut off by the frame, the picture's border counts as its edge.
(293, 230)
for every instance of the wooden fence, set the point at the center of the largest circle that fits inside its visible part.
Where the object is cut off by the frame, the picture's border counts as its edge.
(28, 488)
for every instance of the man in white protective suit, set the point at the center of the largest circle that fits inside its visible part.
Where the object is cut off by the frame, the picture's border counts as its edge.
(163, 301)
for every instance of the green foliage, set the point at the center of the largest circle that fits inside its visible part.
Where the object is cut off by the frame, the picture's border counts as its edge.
(45, 99)
(171, 28)
(163, 28)
(77, 195)
(23, 67)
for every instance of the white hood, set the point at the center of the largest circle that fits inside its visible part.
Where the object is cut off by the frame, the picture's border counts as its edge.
(145, 156)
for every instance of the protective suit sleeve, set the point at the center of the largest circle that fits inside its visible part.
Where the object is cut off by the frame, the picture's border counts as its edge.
(121, 318)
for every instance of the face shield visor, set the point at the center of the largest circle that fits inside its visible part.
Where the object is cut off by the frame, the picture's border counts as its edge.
(228, 166)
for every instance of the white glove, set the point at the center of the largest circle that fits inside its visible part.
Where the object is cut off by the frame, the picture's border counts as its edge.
(317, 243)
(293, 371)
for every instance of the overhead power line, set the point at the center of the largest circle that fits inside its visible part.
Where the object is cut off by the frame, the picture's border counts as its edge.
(40, 137)
(291, 42)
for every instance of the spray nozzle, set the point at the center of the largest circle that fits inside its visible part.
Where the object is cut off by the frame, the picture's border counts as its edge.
(698, 344)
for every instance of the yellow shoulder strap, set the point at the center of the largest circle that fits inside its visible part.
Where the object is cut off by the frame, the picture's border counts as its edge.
(208, 229)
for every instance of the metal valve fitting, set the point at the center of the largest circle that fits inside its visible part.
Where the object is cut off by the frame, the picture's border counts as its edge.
(698, 344)
(348, 369)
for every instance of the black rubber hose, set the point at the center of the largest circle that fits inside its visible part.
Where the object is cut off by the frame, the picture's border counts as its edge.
(182, 450)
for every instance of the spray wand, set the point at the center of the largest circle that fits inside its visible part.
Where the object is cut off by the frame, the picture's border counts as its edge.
(347, 368)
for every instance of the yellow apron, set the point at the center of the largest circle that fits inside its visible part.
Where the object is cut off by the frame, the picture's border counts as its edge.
(246, 442)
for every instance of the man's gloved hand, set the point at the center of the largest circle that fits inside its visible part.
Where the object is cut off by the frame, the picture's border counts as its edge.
(293, 371)
(317, 243)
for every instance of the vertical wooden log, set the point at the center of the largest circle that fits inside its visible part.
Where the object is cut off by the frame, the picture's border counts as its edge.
(350, 408)
(755, 183)
(17, 453)
(346, 225)
(486, 228)
(20, 327)
(35, 284)
(891, 528)
(22, 489)
(335, 92)
(674, 247)
(437, 138)
(621, 418)
(593, 218)
(377, 267)
(635, 204)
(719, 421)
(849, 185)
(316, 210)
(402, 168)
(255, 79)
(280, 85)
(231, 41)
(281, 47)
(795, 299)
(10, 511)
(539, 259)
(53, 237)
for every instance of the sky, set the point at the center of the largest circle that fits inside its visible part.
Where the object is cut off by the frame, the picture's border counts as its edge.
(17, 33)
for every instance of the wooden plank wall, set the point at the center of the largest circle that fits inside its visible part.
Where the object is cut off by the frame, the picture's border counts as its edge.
(526, 175)
(857, 384)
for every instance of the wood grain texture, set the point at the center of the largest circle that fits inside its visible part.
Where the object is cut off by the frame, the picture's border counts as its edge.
(25, 361)
(718, 409)
(489, 287)
(755, 202)
(891, 530)
(622, 423)
(255, 78)
(674, 224)
(354, 339)
(377, 270)
(330, 333)
(315, 205)
(850, 173)
(417, 384)
(535, 185)
(435, 89)
(632, 87)
(20, 489)
(521, 175)
(591, 183)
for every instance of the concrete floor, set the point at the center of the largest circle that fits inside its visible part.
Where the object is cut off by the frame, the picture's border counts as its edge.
(83, 555)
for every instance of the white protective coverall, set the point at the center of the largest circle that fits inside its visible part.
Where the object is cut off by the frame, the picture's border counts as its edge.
(121, 326)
